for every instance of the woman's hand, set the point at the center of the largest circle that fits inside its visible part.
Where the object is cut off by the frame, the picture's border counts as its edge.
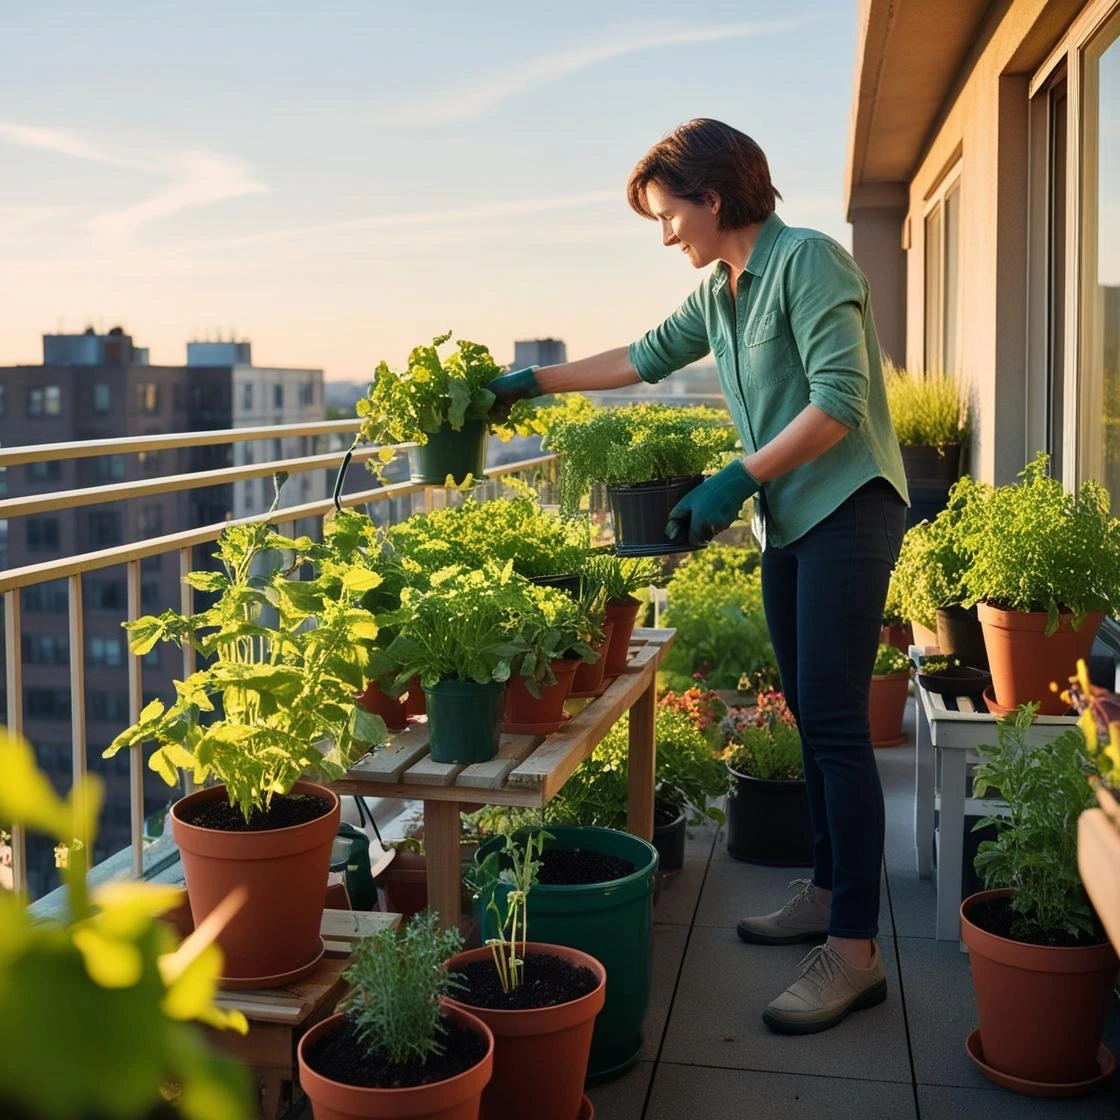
(713, 505)
(510, 388)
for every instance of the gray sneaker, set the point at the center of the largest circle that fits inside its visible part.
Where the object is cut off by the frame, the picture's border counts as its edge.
(825, 992)
(803, 918)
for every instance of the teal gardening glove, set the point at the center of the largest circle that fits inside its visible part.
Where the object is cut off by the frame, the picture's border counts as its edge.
(512, 387)
(713, 505)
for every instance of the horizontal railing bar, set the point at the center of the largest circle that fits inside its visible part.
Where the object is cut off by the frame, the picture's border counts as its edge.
(143, 487)
(106, 558)
(86, 448)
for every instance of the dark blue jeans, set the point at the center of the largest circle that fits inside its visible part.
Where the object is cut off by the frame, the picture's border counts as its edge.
(824, 597)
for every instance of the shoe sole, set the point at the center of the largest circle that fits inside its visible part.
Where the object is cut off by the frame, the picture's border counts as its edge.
(752, 938)
(874, 995)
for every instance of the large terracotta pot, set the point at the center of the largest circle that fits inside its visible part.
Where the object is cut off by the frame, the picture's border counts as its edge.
(924, 637)
(886, 705)
(540, 1054)
(1041, 1008)
(524, 714)
(457, 1098)
(274, 938)
(376, 700)
(590, 676)
(405, 883)
(1024, 662)
(623, 613)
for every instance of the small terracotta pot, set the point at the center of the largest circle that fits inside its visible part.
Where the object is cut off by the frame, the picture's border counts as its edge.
(1041, 1008)
(405, 883)
(457, 1098)
(1024, 662)
(524, 714)
(623, 613)
(376, 700)
(590, 676)
(886, 704)
(899, 636)
(924, 637)
(540, 1054)
(275, 935)
(414, 702)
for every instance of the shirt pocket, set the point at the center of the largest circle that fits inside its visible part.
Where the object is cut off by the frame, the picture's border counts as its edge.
(768, 356)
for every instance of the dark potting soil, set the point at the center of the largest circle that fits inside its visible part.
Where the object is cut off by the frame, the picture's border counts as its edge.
(568, 866)
(546, 981)
(340, 1056)
(995, 915)
(286, 810)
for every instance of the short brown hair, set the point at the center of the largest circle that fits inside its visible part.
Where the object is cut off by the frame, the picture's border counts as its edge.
(706, 157)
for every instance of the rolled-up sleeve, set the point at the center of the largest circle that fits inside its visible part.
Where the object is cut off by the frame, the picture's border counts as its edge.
(827, 300)
(681, 339)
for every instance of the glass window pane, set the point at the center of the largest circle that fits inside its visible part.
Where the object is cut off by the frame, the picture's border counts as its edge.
(934, 354)
(949, 333)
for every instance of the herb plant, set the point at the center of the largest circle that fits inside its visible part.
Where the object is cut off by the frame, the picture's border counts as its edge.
(940, 664)
(927, 409)
(284, 687)
(1037, 547)
(1035, 850)
(620, 576)
(890, 660)
(763, 742)
(397, 979)
(554, 626)
(637, 443)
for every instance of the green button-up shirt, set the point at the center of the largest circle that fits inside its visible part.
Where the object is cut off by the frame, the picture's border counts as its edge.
(799, 332)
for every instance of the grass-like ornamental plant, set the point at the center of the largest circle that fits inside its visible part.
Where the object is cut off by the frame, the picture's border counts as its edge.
(397, 979)
(637, 443)
(284, 658)
(890, 659)
(1034, 546)
(927, 409)
(1035, 850)
(763, 742)
(619, 577)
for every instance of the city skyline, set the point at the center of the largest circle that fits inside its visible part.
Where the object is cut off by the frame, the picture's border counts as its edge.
(339, 186)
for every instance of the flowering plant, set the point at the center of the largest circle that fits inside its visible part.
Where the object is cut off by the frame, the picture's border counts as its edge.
(763, 742)
(702, 708)
(1099, 720)
(889, 661)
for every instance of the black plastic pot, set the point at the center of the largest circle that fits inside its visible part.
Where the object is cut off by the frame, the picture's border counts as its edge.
(960, 635)
(464, 720)
(668, 838)
(639, 513)
(768, 822)
(961, 681)
(449, 452)
(930, 472)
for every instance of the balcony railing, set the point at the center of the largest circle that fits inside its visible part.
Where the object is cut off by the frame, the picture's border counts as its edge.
(541, 470)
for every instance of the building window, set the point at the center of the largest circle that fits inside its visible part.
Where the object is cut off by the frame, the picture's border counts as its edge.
(247, 396)
(108, 705)
(46, 649)
(45, 400)
(45, 470)
(108, 468)
(3, 400)
(149, 522)
(105, 528)
(49, 703)
(307, 393)
(107, 595)
(42, 534)
(102, 397)
(147, 397)
(52, 597)
(942, 276)
(278, 395)
(108, 651)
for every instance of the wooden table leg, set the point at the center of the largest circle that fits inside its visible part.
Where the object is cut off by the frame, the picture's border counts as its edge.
(642, 763)
(441, 845)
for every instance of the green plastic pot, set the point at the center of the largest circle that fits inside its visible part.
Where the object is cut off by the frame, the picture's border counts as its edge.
(464, 720)
(450, 452)
(613, 922)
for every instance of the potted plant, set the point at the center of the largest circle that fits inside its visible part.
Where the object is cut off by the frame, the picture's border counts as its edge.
(398, 1047)
(767, 808)
(107, 979)
(1045, 569)
(1041, 966)
(619, 577)
(949, 677)
(896, 629)
(649, 456)
(283, 660)
(890, 680)
(540, 1001)
(930, 414)
(715, 605)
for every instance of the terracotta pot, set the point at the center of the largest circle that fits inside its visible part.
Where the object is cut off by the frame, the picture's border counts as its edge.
(540, 1054)
(414, 702)
(376, 700)
(1024, 661)
(457, 1098)
(589, 677)
(901, 636)
(524, 714)
(1041, 1008)
(274, 938)
(405, 883)
(886, 704)
(924, 637)
(623, 613)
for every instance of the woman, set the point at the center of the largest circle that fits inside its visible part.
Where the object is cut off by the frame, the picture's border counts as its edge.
(787, 314)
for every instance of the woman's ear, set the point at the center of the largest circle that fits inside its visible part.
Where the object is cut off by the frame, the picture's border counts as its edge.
(713, 201)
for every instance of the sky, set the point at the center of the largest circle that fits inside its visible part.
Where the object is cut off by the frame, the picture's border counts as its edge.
(341, 181)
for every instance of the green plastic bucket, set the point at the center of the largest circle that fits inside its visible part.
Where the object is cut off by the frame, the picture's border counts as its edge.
(464, 720)
(450, 452)
(613, 922)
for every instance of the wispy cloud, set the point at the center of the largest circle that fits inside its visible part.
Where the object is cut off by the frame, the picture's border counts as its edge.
(65, 144)
(477, 97)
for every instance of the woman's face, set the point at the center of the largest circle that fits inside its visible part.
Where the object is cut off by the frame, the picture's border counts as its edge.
(692, 226)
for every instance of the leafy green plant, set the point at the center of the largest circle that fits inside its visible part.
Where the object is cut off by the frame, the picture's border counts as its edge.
(927, 409)
(763, 742)
(637, 443)
(107, 980)
(715, 605)
(519, 867)
(284, 687)
(554, 626)
(1035, 850)
(889, 659)
(1036, 547)
(940, 664)
(397, 979)
(620, 576)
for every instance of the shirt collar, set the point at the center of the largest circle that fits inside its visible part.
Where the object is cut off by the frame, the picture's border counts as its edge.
(760, 254)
